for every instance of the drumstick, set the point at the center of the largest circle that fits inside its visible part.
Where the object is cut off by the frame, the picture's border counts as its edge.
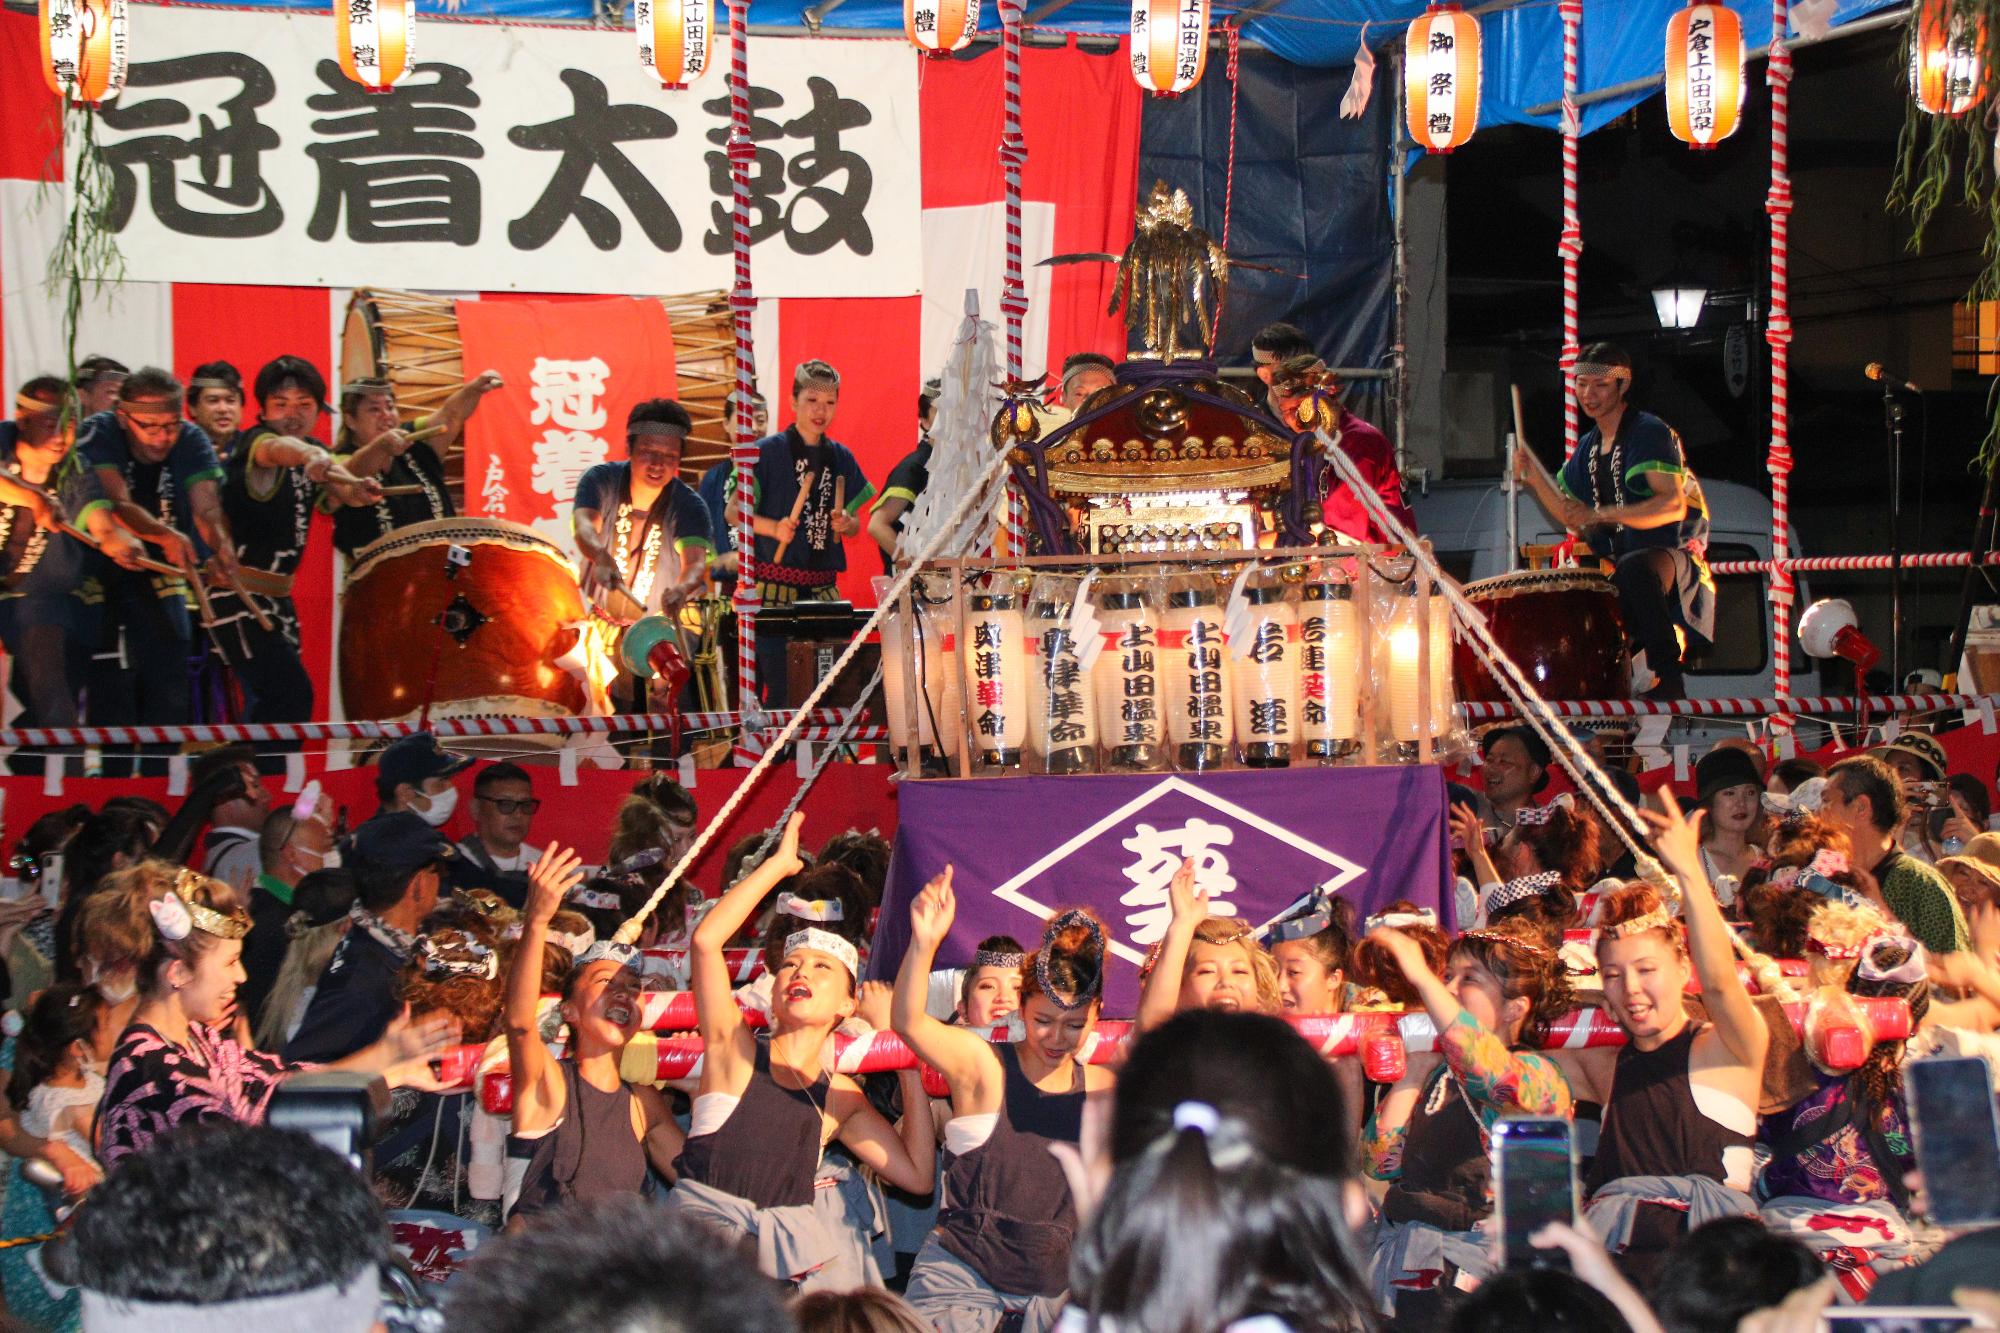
(388, 491)
(437, 427)
(231, 576)
(1521, 446)
(798, 507)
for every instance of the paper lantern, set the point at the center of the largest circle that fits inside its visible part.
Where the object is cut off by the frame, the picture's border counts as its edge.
(1197, 669)
(1704, 74)
(996, 672)
(1267, 678)
(1169, 44)
(1330, 657)
(85, 45)
(674, 37)
(376, 40)
(1441, 77)
(1947, 63)
(1127, 681)
(1418, 676)
(937, 27)
(1062, 717)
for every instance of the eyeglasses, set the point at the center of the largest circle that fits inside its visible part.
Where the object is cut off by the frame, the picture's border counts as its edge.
(151, 424)
(507, 807)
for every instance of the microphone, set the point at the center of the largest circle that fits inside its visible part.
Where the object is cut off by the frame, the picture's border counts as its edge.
(1873, 370)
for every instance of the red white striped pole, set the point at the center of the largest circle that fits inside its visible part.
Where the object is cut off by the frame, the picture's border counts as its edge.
(1778, 332)
(1817, 705)
(1013, 294)
(1823, 564)
(1570, 245)
(742, 305)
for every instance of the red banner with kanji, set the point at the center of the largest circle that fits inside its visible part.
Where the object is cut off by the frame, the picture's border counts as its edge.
(572, 370)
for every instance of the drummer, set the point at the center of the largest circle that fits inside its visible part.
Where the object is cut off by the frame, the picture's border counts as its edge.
(907, 481)
(273, 478)
(161, 479)
(215, 403)
(809, 492)
(373, 443)
(1644, 510)
(1292, 382)
(629, 516)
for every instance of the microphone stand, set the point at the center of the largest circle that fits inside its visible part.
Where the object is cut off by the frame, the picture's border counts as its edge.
(1892, 429)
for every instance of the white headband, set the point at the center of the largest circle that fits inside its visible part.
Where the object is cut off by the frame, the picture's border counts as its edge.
(826, 942)
(811, 909)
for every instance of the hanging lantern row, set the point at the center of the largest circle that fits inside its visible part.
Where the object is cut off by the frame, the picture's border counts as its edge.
(85, 45)
(374, 40)
(1169, 45)
(1947, 57)
(674, 39)
(1441, 77)
(939, 27)
(1704, 74)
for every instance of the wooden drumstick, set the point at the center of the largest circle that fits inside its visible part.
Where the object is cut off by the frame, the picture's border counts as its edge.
(1521, 446)
(388, 491)
(437, 427)
(798, 507)
(232, 577)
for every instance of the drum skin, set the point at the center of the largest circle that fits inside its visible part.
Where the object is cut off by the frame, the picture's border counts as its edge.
(1561, 627)
(400, 587)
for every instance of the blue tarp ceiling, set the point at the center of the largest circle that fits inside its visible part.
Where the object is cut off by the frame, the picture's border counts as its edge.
(1622, 38)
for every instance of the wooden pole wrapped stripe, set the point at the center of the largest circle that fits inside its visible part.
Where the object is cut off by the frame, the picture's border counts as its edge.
(1947, 57)
(674, 37)
(939, 27)
(375, 40)
(1441, 76)
(1372, 1036)
(85, 48)
(1169, 45)
(1704, 74)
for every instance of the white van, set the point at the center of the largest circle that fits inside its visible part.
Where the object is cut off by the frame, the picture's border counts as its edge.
(1466, 522)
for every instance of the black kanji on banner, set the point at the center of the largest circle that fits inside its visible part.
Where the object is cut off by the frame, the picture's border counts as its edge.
(842, 211)
(588, 140)
(226, 155)
(395, 167)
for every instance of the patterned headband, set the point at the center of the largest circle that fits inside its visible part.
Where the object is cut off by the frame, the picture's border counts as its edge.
(643, 859)
(1521, 888)
(1533, 816)
(997, 958)
(1073, 916)
(472, 959)
(826, 942)
(597, 898)
(1423, 916)
(659, 428)
(1316, 915)
(1906, 973)
(1502, 937)
(577, 942)
(201, 382)
(1599, 368)
(1657, 919)
(624, 955)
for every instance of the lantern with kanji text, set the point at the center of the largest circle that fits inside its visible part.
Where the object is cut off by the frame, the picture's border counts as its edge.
(1169, 44)
(85, 45)
(1704, 74)
(674, 38)
(1947, 57)
(1441, 77)
(939, 27)
(375, 40)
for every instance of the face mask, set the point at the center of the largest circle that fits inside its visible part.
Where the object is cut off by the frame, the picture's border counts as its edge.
(440, 807)
(328, 860)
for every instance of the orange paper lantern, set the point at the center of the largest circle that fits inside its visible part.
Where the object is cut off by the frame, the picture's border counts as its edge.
(1169, 44)
(1704, 74)
(937, 27)
(1947, 58)
(1441, 77)
(674, 38)
(375, 38)
(85, 46)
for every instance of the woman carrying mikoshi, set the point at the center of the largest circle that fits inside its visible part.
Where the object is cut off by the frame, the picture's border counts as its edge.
(1006, 1219)
(766, 1108)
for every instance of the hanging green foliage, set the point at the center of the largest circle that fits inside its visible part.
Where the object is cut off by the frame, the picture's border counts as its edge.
(86, 258)
(1935, 147)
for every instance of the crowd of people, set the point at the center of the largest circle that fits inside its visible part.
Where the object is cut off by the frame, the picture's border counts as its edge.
(204, 965)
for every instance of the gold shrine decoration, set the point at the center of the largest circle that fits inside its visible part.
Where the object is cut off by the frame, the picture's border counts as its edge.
(1441, 74)
(1169, 45)
(674, 38)
(375, 40)
(937, 27)
(85, 48)
(1704, 74)
(1947, 63)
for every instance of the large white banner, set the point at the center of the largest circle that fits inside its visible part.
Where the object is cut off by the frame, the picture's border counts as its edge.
(528, 159)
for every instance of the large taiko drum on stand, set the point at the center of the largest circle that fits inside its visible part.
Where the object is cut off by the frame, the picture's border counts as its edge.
(1560, 626)
(474, 613)
(411, 339)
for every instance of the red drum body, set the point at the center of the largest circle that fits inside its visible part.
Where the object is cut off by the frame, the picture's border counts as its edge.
(492, 628)
(1560, 626)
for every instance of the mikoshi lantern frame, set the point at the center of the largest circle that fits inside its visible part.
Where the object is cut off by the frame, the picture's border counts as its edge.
(1704, 64)
(1442, 75)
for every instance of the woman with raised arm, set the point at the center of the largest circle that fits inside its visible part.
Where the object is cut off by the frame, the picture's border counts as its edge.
(1204, 962)
(1430, 1136)
(766, 1107)
(1006, 1219)
(1675, 1150)
(594, 1134)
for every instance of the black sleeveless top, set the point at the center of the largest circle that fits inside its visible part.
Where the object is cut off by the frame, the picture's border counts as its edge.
(768, 1150)
(591, 1154)
(1006, 1209)
(1446, 1170)
(1652, 1126)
